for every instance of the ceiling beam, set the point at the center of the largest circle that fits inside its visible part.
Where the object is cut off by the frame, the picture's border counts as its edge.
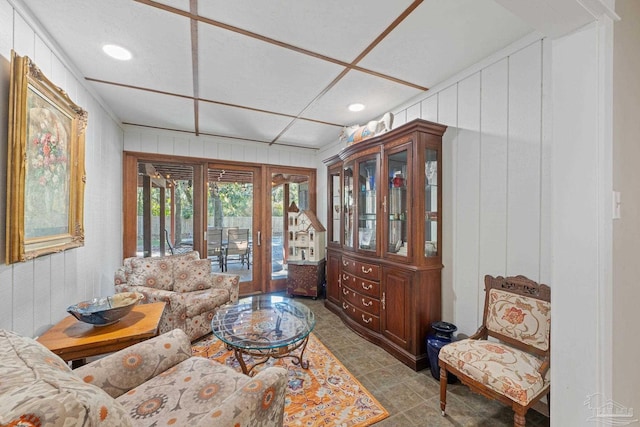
(195, 66)
(279, 43)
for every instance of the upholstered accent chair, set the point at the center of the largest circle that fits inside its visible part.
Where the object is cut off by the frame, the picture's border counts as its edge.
(513, 367)
(192, 293)
(156, 382)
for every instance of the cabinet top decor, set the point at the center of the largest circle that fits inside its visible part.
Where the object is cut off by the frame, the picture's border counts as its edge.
(419, 125)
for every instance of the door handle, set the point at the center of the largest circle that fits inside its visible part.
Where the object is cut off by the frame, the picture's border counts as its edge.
(259, 237)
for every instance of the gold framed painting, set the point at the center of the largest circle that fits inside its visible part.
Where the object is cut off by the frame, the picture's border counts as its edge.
(45, 170)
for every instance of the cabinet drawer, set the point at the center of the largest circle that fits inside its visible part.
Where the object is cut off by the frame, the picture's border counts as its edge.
(367, 320)
(363, 286)
(361, 269)
(363, 302)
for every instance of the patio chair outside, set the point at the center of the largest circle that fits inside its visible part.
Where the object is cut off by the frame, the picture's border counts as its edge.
(214, 245)
(238, 246)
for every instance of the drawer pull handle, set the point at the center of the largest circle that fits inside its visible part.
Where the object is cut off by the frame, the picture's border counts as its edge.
(345, 306)
(365, 287)
(366, 320)
(345, 263)
(366, 304)
(345, 292)
(345, 277)
(367, 271)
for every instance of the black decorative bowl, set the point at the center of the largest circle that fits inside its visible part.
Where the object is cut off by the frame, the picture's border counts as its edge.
(105, 311)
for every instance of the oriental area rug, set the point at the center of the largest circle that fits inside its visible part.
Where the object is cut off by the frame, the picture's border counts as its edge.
(326, 394)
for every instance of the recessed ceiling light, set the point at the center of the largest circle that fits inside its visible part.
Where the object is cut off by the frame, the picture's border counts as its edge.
(356, 107)
(117, 52)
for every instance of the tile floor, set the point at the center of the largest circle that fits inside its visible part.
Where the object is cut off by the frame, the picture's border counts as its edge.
(412, 398)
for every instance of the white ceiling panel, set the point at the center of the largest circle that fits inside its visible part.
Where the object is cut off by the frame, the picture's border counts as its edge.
(159, 41)
(444, 35)
(148, 108)
(378, 96)
(310, 134)
(250, 72)
(240, 123)
(276, 61)
(335, 28)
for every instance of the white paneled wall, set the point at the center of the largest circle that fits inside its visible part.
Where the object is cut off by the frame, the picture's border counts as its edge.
(493, 178)
(35, 294)
(510, 129)
(173, 143)
(467, 194)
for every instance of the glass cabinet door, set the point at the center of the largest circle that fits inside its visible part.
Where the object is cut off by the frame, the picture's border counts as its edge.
(348, 204)
(367, 204)
(397, 208)
(431, 215)
(335, 206)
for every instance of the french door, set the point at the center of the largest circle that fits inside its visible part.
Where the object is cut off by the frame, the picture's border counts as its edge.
(290, 189)
(233, 195)
(176, 204)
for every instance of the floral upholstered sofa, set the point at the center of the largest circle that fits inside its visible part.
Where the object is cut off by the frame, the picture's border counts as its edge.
(192, 293)
(156, 382)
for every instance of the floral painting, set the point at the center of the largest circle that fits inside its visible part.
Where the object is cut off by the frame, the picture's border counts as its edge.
(45, 166)
(46, 204)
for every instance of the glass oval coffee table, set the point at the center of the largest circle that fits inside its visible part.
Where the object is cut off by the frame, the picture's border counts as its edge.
(264, 326)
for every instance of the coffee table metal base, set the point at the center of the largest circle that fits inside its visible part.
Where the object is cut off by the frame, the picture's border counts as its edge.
(273, 353)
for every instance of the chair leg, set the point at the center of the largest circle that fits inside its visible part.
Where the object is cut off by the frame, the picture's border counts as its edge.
(549, 402)
(519, 419)
(443, 389)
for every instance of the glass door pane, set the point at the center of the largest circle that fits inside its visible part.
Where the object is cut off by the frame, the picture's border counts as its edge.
(397, 203)
(230, 222)
(431, 203)
(348, 204)
(289, 193)
(335, 201)
(367, 205)
(165, 209)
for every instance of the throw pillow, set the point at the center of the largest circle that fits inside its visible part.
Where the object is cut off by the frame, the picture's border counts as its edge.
(192, 276)
(151, 272)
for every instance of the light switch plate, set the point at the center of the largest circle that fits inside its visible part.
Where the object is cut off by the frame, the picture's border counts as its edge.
(616, 205)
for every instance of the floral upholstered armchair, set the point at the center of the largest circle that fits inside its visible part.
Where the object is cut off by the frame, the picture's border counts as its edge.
(155, 382)
(192, 293)
(514, 369)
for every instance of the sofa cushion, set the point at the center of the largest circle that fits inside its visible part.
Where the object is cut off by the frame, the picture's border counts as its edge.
(199, 302)
(152, 272)
(182, 395)
(505, 369)
(38, 388)
(135, 272)
(189, 276)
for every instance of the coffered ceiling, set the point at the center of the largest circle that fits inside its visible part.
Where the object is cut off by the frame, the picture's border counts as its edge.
(274, 72)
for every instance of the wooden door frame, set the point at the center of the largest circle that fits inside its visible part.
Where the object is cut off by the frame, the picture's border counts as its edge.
(261, 205)
(130, 200)
(277, 285)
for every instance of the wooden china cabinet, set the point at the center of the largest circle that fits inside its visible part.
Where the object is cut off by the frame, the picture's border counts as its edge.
(384, 252)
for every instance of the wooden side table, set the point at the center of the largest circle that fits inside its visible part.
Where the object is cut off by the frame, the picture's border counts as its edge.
(305, 278)
(74, 340)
